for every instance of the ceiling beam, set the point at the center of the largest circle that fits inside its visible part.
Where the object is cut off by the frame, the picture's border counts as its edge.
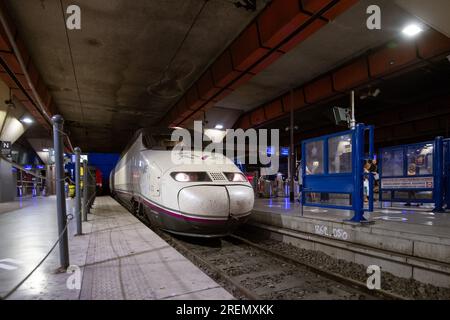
(281, 26)
(375, 65)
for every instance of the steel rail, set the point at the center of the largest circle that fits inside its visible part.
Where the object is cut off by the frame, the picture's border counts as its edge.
(325, 273)
(199, 260)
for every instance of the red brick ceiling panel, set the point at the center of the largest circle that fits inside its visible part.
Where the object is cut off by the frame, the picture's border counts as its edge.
(174, 114)
(33, 73)
(424, 125)
(434, 44)
(209, 105)
(8, 80)
(205, 86)
(6, 53)
(319, 89)
(392, 58)
(247, 48)
(23, 81)
(11, 61)
(244, 122)
(298, 97)
(267, 61)
(193, 101)
(279, 20)
(199, 115)
(34, 76)
(274, 109)
(181, 109)
(222, 95)
(257, 117)
(387, 61)
(246, 77)
(302, 36)
(338, 8)
(19, 94)
(222, 70)
(352, 75)
(315, 6)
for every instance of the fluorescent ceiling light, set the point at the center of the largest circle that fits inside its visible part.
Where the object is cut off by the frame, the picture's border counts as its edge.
(45, 150)
(27, 120)
(412, 30)
(219, 126)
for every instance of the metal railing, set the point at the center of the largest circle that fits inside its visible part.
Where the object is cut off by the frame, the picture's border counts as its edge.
(85, 192)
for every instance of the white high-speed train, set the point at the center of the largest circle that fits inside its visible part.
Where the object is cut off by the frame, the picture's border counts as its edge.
(198, 199)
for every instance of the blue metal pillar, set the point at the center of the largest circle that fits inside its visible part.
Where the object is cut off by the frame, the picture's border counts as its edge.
(358, 176)
(438, 172)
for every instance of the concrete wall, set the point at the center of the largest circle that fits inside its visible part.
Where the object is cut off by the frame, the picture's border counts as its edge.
(7, 182)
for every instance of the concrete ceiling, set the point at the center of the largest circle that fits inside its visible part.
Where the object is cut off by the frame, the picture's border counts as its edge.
(122, 53)
(331, 46)
(121, 58)
(435, 13)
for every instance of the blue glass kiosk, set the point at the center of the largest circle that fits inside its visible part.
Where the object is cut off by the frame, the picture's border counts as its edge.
(333, 171)
(416, 173)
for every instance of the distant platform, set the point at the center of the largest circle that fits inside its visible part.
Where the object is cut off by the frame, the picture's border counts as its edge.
(118, 257)
(411, 243)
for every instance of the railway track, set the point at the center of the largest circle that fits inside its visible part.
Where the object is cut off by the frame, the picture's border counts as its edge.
(255, 272)
(251, 271)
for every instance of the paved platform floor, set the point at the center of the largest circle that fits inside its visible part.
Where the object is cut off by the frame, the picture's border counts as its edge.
(117, 257)
(417, 220)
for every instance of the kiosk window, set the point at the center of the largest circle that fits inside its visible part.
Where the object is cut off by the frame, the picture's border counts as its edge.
(392, 163)
(420, 160)
(340, 154)
(314, 158)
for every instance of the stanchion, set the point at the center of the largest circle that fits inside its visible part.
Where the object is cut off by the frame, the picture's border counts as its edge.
(438, 193)
(60, 194)
(78, 192)
(85, 190)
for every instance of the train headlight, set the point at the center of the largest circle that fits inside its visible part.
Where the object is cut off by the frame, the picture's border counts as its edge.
(235, 177)
(190, 176)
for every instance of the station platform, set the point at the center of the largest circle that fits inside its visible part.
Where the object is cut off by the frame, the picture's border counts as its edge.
(409, 243)
(117, 257)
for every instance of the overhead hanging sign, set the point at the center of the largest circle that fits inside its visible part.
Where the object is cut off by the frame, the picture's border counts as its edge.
(5, 148)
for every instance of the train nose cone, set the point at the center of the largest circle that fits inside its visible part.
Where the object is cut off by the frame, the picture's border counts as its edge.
(241, 200)
(216, 201)
(209, 201)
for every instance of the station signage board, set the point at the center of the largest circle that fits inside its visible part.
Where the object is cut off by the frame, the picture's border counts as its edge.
(5, 148)
(408, 183)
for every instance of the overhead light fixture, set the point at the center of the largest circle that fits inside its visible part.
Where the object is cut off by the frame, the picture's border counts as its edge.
(27, 120)
(219, 126)
(412, 30)
(45, 150)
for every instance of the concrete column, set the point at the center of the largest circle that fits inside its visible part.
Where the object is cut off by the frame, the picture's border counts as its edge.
(8, 186)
